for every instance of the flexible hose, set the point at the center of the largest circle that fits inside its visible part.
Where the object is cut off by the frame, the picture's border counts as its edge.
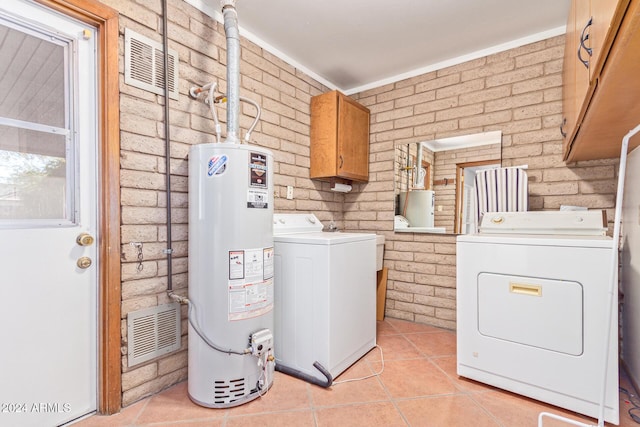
(194, 324)
(306, 377)
(255, 121)
(211, 90)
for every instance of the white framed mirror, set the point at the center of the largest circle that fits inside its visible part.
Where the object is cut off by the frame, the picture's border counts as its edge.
(434, 181)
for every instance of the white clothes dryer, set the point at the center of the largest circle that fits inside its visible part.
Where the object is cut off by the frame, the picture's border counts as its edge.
(531, 309)
(324, 296)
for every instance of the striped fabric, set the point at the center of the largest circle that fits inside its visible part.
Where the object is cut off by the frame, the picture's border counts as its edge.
(501, 190)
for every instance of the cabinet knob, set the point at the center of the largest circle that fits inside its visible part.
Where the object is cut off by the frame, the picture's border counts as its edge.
(341, 161)
(562, 132)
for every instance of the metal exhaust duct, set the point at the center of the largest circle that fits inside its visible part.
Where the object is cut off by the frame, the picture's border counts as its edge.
(232, 33)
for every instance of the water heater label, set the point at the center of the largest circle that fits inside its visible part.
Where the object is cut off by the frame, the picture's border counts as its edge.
(236, 265)
(250, 283)
(217, 165)
(258, 170)
(250, 300)
(257, 199)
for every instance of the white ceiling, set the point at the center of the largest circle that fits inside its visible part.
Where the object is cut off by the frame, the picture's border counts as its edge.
(353, 45)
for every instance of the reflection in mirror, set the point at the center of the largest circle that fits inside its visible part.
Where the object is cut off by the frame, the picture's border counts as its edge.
(434, 181)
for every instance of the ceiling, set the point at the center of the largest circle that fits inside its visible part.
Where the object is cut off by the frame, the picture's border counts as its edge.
(353, 45)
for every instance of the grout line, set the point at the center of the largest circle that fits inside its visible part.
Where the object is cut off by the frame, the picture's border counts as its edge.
(134, 421)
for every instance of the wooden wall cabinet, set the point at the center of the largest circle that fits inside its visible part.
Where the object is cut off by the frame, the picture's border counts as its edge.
(600, 78)
(339, 138)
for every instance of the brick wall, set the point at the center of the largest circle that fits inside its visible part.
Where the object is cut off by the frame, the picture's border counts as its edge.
(518, 92)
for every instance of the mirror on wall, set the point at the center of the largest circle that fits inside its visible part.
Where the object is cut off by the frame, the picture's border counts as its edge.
(434, 182)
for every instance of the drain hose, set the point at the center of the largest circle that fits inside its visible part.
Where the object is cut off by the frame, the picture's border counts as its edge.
(306, 377)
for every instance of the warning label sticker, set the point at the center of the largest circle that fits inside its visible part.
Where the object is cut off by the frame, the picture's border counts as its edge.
(250, 300)
(250, 282)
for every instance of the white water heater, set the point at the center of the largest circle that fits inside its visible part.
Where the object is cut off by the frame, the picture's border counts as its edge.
(230, 273)
(419, 208)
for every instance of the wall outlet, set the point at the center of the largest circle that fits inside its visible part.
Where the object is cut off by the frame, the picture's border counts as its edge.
(289, 192)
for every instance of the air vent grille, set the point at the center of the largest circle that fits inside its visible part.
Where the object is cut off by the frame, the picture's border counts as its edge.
(229, 391)
(144, 64)
(153, 332)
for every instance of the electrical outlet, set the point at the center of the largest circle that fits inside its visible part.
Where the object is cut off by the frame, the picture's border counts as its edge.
(289, 192)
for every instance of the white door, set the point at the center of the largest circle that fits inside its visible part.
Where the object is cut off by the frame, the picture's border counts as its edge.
(48, 190)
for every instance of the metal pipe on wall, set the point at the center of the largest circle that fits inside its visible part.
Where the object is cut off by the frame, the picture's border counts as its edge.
(167, 139)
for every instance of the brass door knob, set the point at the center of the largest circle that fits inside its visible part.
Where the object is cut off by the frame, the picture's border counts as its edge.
(84, 239)
(84, 262)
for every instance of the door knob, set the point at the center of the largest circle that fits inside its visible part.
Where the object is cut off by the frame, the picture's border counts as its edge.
(84, 239)
(84, 262)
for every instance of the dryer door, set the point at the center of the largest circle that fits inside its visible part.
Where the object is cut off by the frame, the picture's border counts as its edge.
(543, 313)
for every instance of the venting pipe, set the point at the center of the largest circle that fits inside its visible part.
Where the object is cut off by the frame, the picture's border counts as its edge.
(233, 68)
(416, 177)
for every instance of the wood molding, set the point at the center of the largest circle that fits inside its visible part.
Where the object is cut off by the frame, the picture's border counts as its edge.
(457, 219)
(105, 20)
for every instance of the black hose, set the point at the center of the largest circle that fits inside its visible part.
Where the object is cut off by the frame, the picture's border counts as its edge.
(306, 377)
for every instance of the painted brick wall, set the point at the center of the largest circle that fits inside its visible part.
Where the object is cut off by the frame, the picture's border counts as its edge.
(518, 92)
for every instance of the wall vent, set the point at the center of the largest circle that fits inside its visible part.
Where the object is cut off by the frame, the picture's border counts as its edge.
(144, 64)
(153, 332)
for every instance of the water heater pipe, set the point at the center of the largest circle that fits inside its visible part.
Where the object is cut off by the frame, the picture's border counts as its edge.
(233, 68)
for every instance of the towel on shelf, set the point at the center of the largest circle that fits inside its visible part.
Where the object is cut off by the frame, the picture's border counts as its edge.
(501, 190)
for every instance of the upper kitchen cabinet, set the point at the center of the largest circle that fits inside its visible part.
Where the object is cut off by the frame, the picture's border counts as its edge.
(339, 138)
(600, 84)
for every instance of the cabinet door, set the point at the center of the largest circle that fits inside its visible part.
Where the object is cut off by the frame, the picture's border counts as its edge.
(353, 140)
(582, 57)
(604, 17)
(614, 108)
(324, 122)
(570, 103)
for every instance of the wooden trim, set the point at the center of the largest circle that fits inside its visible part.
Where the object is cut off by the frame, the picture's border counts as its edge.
(105, 19)
(444, 181)
(457, 220)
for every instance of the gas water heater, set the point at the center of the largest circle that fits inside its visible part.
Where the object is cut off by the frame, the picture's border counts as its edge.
(231, 320)
(230, 273)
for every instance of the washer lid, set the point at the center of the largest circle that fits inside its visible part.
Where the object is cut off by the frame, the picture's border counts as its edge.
(325, 238)
(295, 223)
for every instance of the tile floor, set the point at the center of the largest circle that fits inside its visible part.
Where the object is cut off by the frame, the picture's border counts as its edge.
(419, 387)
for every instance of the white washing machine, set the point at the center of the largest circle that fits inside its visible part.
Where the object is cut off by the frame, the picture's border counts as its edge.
(324, 295)
(531, 308)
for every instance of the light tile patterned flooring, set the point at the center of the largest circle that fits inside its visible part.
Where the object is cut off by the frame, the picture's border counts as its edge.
(419, 387)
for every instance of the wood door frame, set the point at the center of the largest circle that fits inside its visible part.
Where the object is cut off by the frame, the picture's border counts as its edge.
(105, 20)
(457, 221)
